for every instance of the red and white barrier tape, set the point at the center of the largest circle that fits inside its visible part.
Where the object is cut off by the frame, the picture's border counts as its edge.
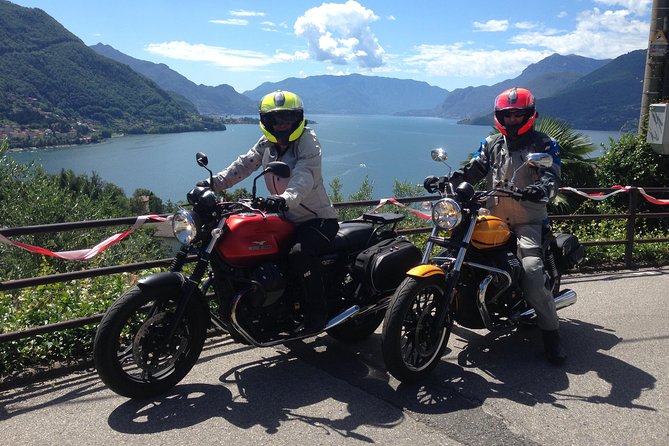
(599, 196)
(84, 254)
(417, 213)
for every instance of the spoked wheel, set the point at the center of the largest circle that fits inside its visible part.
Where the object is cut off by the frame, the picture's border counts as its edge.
(132, 354)
(411, 343)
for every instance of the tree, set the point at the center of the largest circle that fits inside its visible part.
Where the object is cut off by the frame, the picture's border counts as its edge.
(631, 161)
(578, 169)
(30, 196)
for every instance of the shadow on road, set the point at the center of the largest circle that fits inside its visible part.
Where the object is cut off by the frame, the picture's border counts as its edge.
(284, 387)
(269, 392)
(614, 275)
(508, 365)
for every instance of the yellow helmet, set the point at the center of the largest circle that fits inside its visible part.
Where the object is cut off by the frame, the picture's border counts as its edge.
(281, 107)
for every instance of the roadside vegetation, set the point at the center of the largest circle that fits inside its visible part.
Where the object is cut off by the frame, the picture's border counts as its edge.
(30, 196)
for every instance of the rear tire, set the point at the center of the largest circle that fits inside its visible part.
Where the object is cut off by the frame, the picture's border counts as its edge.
(412, 347)
(130, 352)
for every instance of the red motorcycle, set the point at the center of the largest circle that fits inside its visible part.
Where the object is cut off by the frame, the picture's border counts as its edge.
(152, 336)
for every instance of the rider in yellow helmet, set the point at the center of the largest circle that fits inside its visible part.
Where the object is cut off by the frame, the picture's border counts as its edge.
(281, 107)
(301, 197)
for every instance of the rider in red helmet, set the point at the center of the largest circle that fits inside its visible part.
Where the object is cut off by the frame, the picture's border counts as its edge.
(517, 103)
(500, 159)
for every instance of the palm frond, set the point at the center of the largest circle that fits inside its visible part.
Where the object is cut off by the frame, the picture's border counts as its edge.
(573, 145)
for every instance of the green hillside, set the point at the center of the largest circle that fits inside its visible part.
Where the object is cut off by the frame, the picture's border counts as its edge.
(606, 99)
(609, 98)
(53, 88)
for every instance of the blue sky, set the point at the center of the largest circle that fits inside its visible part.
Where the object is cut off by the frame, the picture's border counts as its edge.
(244, 43)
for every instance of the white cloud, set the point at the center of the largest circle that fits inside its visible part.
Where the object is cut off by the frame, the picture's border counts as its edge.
(598, 34)
(562, 14)
(235, 22)
(267, 25)
(524, 25)
(460, 60)
(638, 7)
(492, 26)
(341, 34)
(244, 13)
(233, 60)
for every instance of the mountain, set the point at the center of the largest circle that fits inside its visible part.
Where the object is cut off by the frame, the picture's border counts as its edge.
(543, 78)
(608, 98)
(52, 85)
(219, 100)
(357, 94)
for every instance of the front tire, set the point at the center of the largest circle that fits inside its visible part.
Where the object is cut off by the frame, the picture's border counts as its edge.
(130, 352)
(411, 345)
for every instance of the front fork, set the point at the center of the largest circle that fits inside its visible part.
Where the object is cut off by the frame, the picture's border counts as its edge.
(192, 282)
(451, 272)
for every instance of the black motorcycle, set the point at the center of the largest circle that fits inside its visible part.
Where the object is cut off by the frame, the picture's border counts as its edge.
(151, 337)
(470, 274)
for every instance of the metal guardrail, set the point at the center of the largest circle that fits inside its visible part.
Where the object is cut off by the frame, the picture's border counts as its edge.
(632, 215)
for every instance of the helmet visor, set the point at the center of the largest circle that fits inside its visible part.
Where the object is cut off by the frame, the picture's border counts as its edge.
(282, 117)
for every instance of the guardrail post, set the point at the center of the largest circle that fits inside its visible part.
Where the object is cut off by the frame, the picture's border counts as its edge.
(631, 220)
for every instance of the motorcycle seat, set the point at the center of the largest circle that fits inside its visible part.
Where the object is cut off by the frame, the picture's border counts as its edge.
(352, 236)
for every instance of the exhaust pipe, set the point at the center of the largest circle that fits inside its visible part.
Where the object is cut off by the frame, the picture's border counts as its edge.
(564, 299)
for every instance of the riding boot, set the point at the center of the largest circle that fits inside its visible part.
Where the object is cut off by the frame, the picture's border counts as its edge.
(553, 347)
(314, 306)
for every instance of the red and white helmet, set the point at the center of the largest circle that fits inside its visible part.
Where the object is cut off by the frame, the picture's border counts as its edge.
(515, 99)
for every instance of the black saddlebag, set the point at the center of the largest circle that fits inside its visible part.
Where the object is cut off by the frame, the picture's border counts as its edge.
(384, 265)
(569, 252)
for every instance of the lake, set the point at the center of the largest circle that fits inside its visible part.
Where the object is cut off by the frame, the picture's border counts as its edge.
(384, 148)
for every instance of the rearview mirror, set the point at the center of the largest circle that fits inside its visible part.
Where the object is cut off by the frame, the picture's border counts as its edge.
(201, 159)
(540, 160)
(439, 154)
(278, 168)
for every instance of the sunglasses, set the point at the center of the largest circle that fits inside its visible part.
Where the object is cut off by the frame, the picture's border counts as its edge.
(513, 114)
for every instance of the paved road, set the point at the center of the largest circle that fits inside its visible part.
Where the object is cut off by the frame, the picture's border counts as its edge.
(488, 390)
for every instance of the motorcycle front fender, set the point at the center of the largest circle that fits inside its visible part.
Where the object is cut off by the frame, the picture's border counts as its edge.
(425, 271)
(161, 281)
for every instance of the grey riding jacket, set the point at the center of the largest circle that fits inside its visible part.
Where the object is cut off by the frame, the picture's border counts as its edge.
(303, 191)
(498, 159)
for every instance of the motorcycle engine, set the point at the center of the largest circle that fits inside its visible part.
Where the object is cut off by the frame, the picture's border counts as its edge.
(467, 313)
(273, 284)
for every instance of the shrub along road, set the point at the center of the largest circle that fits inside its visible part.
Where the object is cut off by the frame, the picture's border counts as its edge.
(489, 388)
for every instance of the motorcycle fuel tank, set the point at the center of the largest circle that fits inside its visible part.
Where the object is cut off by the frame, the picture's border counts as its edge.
(490, 232)
(251, 238)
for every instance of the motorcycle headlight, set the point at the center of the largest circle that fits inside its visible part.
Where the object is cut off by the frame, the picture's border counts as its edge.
(446, 213)
(185, 226)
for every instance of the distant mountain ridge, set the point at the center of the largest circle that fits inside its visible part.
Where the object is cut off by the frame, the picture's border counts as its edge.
(49, 79)
(357, 94)
(561, 85)
(54, 89)
(219, 100)
(544, 78)
(608, 98)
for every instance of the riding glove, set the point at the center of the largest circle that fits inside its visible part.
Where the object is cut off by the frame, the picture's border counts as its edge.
(430, 184)
(456, 178)
(534, 192)
(275, 203)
